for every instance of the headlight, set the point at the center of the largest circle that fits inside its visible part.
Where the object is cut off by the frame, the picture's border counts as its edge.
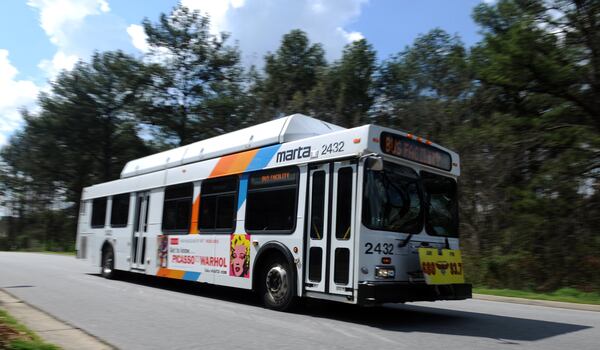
(385, 272)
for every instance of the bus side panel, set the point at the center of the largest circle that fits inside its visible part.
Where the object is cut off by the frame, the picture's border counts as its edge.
(291, 242)
(209, 257)
(89, 240)
(82, 238)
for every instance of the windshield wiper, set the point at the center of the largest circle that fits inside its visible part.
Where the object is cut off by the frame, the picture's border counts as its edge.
(405, 241)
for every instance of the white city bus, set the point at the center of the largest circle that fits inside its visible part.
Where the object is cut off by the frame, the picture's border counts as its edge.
(295, 207)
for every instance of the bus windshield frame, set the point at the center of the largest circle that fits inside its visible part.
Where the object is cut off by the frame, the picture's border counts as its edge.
(430, 196)
(441, 200)
(395, 183)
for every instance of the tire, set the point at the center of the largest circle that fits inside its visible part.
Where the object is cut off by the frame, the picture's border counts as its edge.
(107, 270)
(277, 286)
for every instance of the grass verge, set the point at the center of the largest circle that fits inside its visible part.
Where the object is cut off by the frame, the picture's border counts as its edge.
(57, 253)
(568, 295)
(15, 336)
(69, 253)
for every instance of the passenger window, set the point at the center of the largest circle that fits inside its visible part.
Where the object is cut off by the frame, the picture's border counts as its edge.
(272, 200)
(177, 208)
(218, 205)
(98, 212)
(120, 210)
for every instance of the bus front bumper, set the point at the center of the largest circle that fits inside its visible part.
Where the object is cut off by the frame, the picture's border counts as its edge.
(370, 293)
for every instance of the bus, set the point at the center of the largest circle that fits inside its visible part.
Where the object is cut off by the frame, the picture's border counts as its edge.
(292, 208)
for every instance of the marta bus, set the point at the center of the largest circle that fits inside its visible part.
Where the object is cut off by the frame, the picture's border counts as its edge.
(294, 207)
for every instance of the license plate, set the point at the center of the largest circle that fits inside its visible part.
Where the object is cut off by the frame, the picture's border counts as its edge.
(441, 266)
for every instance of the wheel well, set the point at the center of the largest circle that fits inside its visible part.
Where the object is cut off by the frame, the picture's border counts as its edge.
(269, 252)
(105, 247)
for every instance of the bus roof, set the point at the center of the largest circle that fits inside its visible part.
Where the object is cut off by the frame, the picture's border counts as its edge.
(289, 141)
(290, 128)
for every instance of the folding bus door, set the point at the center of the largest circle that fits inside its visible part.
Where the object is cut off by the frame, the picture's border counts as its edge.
(317, 227)
(330, 225)
(341, 250)
(140, 229)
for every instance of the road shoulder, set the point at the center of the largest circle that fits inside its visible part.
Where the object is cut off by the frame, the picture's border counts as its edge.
(548, 303)
(49, 328)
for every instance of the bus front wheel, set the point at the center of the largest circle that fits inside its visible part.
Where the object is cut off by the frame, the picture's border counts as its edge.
(277, 285)
(108, 264)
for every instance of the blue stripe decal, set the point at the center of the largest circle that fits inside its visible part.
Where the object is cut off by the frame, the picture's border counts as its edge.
(263, 157)
(191, 276)
(243, 190)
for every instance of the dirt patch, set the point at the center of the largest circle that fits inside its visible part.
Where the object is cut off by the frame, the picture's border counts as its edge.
(8, 334)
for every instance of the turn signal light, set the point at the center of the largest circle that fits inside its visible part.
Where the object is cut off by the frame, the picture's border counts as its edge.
(386, 260)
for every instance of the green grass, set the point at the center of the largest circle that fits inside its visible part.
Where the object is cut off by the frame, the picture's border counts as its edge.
(69, 253)
(569, 295)
(24, 339)
(57, 253)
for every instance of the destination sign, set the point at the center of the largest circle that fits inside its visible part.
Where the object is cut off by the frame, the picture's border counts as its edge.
(403, 147)
(280, 177)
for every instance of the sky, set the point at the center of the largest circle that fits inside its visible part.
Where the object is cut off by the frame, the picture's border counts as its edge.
(40, 38)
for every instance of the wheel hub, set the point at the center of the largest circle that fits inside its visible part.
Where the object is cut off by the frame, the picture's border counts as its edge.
(108, 265)
(277, 282)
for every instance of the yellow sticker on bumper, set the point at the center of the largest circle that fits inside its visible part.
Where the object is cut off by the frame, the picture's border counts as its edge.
(444, 268)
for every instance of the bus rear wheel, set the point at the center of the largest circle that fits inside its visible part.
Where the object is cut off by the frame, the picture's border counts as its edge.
(277, 285)
(108, 263)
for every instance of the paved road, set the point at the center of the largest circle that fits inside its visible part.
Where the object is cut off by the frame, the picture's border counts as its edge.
(142, 312)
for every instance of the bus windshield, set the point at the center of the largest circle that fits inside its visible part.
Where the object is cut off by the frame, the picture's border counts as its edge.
(442, 205)
(392, 199)
(398, 199)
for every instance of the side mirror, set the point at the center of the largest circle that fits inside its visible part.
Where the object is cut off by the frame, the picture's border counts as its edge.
(374, 163)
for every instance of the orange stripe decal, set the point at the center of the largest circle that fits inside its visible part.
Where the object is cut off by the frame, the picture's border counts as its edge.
(242, 161)
(177, 274)
(195, 210)
(223, 165)
(233, 164)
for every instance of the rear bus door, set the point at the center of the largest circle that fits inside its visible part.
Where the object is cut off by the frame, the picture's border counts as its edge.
(140, 229)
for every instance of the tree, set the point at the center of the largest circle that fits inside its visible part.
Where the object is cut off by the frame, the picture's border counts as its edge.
(196, 79)
(424, 88)
(344, 92)
(539, 64)
(290, 73)
(545, 48)
(83, 134)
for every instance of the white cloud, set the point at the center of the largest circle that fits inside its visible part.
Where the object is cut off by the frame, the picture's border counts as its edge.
(258, 25)
(15, 94)
(216, 9)
(56, 16)
(61, 61)
(138, 37)
(77, 28)
(64, 22)
(351, 36)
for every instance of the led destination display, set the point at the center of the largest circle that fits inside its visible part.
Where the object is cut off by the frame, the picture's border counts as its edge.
(403, 147)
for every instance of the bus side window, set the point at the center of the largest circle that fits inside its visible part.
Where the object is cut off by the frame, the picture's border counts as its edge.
(218, 204)
(98, 212)
(119, 210)
(177, 208)
(271, 203)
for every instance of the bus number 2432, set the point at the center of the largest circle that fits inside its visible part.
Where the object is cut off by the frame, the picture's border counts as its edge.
(385, 248)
